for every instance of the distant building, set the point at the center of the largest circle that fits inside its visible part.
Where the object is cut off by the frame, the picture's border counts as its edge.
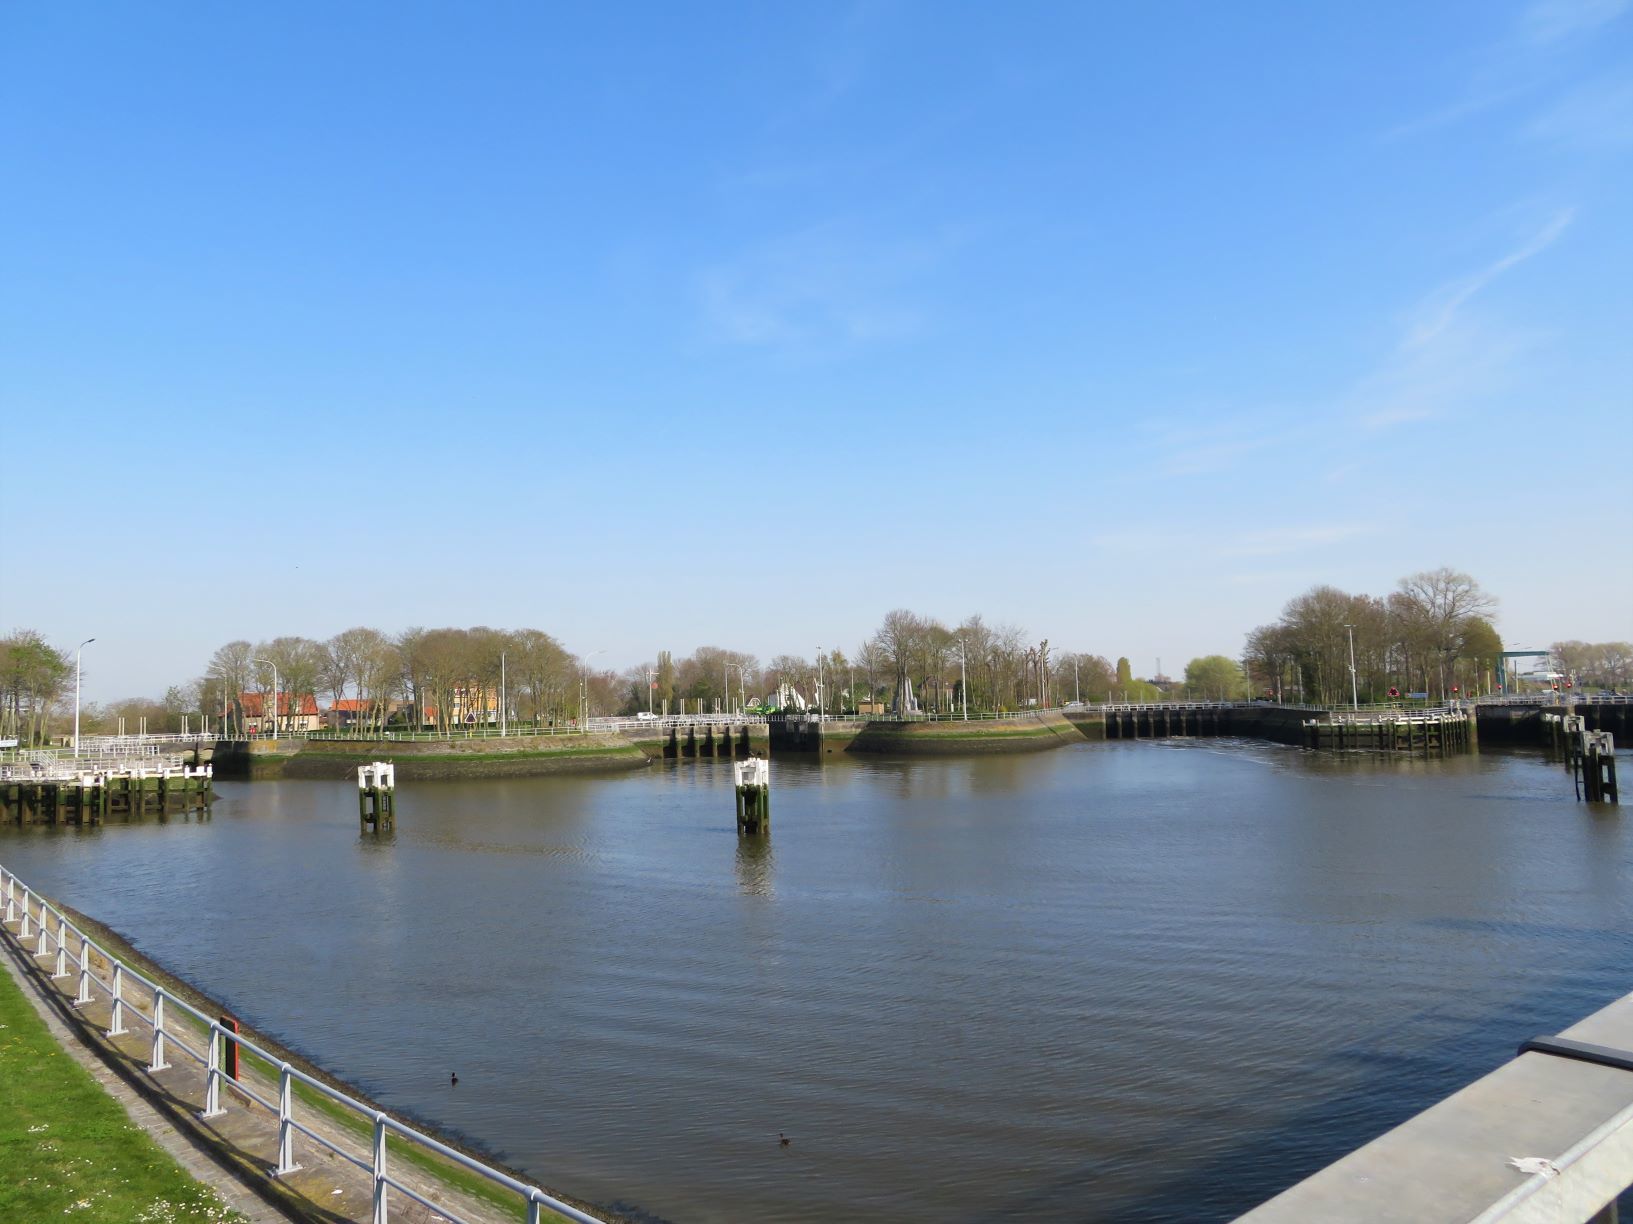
(346, 712)
(303, 715)
(470, 707)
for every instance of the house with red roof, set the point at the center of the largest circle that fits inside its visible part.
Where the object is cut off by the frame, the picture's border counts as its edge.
(344, 712)
(297, 714)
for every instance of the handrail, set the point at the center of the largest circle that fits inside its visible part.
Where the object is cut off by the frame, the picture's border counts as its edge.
(130, 745)
(165, 1037)
(1550, 699)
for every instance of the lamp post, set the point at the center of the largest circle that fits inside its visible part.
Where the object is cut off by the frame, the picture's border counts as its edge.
(77, 653)
(274, 668)
(1354, 690)
(819, 684)
(963, 681)
(742, 685)
(651, 678)
(584, 687)
(504, 721)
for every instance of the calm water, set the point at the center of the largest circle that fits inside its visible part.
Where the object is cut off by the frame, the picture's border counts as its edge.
(1138, 981)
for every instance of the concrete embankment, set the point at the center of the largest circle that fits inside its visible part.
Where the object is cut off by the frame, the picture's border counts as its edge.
(1522, 724)
(730, 741)
(946, 737)
(424, 760)
(242, 1138)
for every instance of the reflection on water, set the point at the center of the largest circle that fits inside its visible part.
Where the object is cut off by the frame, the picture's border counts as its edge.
(1138, 981)
(755, 864)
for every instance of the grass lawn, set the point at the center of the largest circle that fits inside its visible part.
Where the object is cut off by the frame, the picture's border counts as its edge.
(68, 1150)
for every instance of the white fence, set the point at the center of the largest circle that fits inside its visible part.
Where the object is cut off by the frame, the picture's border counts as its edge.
(56, 766)
(33, 913)
(1576, 697)
(1397, 718)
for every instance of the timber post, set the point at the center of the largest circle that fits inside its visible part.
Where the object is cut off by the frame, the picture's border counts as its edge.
(377, 796)
(1599, 767)
(753, 784)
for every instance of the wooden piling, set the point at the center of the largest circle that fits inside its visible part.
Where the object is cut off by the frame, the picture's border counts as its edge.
(753, 786)
(377, 797)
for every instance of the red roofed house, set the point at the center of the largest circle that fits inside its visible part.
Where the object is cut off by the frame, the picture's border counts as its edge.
(301, 716)
(347, 712)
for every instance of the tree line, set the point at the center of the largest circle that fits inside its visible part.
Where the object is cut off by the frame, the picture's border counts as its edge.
(1595, 664)
(1432, 634)
(429, 677)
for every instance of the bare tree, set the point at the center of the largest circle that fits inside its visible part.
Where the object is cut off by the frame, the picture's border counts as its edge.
(1443, 603)
(230, 665)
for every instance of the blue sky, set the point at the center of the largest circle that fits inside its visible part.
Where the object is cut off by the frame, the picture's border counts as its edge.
(662, 325)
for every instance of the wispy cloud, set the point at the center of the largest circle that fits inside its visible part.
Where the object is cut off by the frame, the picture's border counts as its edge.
(1282, 541)
(1552, 21)
(1534, 57)
(821, 288)
(1444, 360)
(1229, 546)
(1459, 367)
(1441, 307)
(1217, 445)
(1596, 117)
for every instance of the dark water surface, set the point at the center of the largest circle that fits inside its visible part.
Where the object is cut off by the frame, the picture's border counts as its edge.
(1138, 981)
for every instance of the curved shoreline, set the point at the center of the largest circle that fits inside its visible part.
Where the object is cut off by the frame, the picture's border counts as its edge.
(122, 947)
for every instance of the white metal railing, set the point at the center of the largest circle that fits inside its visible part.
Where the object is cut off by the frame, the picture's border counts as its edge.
(593, 726)
(132, 745)
(167, 1037)
(1364, 718)
(667, 721)
(59, 768)
(1549, 699)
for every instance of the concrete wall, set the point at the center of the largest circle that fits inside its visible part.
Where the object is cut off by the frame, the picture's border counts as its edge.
(1267, 722)
(1523, 724)
(706, 741)
(512, 757)
(949, 737)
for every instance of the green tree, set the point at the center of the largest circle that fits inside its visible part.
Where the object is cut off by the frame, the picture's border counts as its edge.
(33, 675)
(1215, 678)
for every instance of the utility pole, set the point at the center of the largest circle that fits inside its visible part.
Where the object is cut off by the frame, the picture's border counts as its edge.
(274, 668)
(584, 688)
(77, 653)
(504, 720)
(1354, 688)
(651, 683)
(1077, 684)
(819, 684)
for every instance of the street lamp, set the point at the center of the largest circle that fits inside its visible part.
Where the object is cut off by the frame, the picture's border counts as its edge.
(963, 681)
(742, 685)
(274, 668)
(819, 684)
(1354, 691)
(77, 653)
(504, 722)
(584, 687)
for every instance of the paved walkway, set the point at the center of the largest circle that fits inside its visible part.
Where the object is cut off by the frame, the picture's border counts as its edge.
(234, 1151)
(1543, 1139)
